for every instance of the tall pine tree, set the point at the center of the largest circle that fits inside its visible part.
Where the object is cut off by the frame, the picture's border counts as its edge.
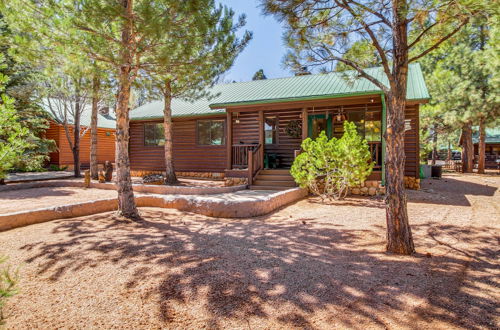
(320, 32)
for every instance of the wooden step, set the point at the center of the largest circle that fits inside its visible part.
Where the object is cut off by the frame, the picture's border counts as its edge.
(273, 177)
(276, 171)
(253, 187)
(274, 183)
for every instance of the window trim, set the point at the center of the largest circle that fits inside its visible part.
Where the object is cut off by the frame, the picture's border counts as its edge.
(224, 138)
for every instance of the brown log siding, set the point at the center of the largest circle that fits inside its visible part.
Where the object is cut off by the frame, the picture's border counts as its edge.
(188, 155)
(412, 146)
(286, 145)
(64, 155)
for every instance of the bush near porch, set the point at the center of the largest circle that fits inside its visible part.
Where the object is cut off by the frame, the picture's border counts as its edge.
(329, 168)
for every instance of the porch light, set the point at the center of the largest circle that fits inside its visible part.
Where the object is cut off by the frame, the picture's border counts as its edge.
(237, 121)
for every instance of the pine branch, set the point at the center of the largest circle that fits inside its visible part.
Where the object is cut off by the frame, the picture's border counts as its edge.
(436, 45)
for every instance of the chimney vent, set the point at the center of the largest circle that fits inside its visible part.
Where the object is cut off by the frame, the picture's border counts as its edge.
(303, 72)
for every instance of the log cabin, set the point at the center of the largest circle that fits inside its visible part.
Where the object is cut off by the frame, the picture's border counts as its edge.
(492, 147)
(250, 132)
(63, 156)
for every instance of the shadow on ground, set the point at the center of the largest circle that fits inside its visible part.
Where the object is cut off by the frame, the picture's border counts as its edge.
(35, 192)
(450, 190)
(283, 270)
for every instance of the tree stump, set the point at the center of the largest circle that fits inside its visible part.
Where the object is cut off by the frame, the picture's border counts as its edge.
(102, 179)
(108, 171)
(87, 178)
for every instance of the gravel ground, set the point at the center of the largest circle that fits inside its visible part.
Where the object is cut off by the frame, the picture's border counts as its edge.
(189, 182)
(305, 266)
(35, 198)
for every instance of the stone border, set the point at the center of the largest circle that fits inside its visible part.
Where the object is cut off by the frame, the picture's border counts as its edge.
(140, 188)
(213, 206)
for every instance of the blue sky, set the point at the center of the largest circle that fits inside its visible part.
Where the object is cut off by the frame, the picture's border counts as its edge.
(265, 50)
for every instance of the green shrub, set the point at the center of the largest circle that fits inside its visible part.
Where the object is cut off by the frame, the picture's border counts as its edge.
(329, 167)
(53, 167)
(8, 282)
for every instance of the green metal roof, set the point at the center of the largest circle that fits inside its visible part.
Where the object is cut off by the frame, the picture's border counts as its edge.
(308, 87)
(107, 121)
(492, 135)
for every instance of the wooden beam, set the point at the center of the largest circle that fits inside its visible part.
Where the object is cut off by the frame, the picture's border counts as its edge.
(351, 100)
(229, 140)
(304, 124)
(261, 136)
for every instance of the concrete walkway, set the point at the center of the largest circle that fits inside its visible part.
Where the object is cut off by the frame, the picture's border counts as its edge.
(37, 176)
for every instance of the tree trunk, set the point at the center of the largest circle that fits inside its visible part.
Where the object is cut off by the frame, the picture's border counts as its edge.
(481, 147)
(399, 237)
(94, 167)
(126, 202)
(467, 149)
(76, 135)
(170, 177)
(448, 157)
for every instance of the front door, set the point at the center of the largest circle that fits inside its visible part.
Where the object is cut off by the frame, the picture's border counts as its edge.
(318, 123)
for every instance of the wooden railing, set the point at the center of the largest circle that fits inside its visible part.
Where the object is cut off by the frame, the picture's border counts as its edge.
(376, 152)
(239, 155)
(254, 162)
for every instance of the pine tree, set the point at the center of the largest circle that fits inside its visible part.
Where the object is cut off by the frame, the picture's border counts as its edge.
(464, 81)
(14, 138)
(185, 70)
(123, 34)
(319, 32)
(24, 86)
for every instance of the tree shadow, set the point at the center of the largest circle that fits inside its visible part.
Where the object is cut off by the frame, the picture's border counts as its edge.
(449, 191)
(35, 193)
(281, 271)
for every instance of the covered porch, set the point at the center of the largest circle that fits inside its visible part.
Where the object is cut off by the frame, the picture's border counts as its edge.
(269, 136)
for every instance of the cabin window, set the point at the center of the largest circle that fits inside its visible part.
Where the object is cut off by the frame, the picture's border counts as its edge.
(154, 135)
(271, 130)
(211, 132)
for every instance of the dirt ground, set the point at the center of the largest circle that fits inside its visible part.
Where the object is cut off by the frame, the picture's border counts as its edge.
(30, 199)
(306, 266)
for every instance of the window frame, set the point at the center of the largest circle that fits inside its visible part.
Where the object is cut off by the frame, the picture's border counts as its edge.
(224, 137)
(276, 130)
(144, 135)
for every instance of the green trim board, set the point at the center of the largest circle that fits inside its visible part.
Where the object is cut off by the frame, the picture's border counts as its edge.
(384, 127)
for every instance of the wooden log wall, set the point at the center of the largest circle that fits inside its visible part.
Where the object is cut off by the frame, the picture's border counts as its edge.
(247, 131)
(188, 155)
(64, 155)
(286, 145)
(52, 133)
(412, 144)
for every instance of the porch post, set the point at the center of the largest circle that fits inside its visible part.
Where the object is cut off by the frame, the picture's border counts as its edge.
(304, 124)
(229, 139)
(261, 137)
